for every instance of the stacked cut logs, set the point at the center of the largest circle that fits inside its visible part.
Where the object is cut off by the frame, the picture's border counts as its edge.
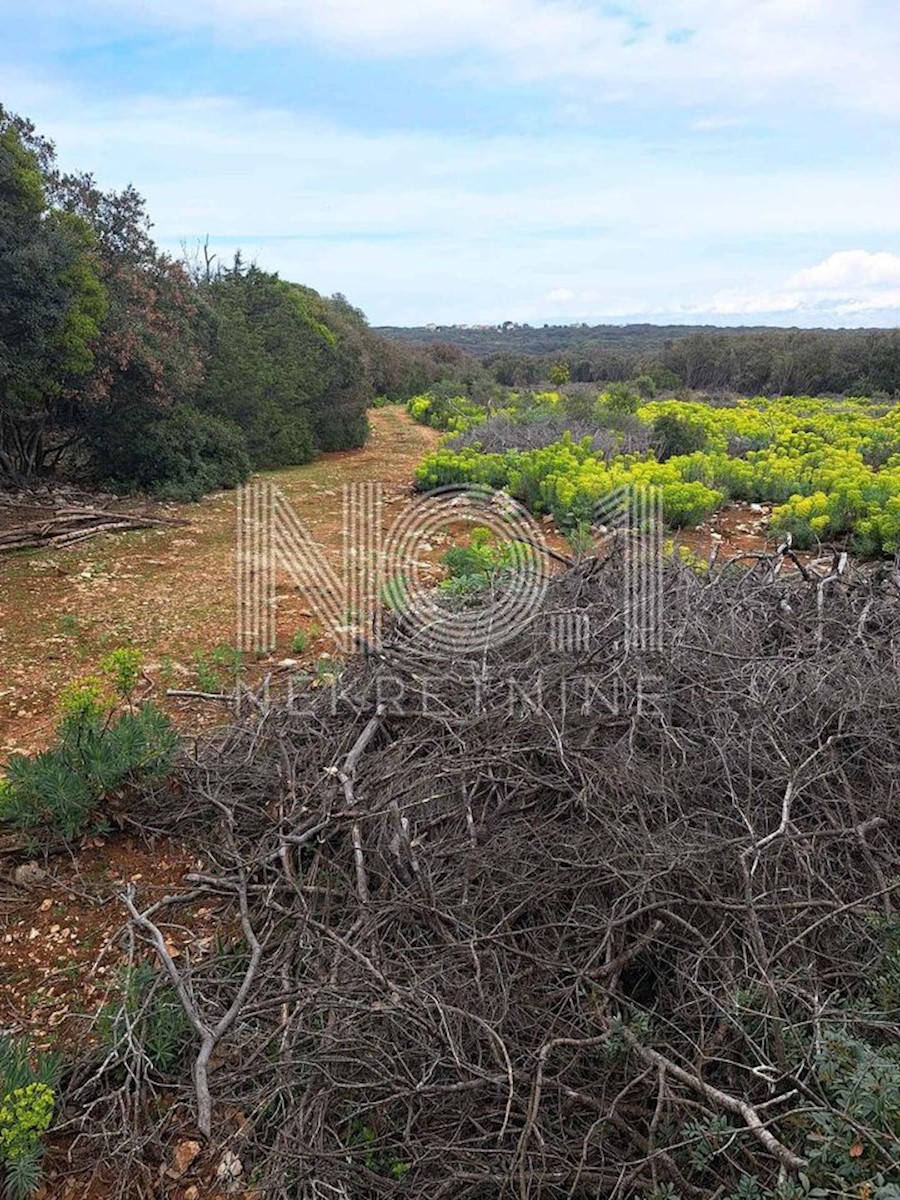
(72, 524)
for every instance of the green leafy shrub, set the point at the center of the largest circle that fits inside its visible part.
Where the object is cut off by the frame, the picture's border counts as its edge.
(287, 366)
(453, 414)
(687, 504)
(277, 439)
(27, 1100)
(678, 435)
(95, 755)
(579, 404)
(123, 666)
(830, 467)
(570, 480)
(646, 387)
(179, 453)
(620, 400)
(336, 430)
(485, 563)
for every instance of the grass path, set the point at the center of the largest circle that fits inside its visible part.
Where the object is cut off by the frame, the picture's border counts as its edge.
(168, 592)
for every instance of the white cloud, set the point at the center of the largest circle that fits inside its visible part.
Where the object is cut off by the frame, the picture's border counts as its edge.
(231, 169)
(849, 283)
(820, 53)
(850, 270)
(731, 302)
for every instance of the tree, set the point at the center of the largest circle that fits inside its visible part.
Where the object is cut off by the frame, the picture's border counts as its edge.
(149, 347)
(285, 365)
(52, 302)
(560, 374)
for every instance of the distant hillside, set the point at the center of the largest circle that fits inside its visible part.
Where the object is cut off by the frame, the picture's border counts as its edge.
(480, 340)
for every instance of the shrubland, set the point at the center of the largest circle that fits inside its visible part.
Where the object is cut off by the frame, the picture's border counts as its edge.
(105, 743)
(750, 361)
(28, 1083)
(831, 467)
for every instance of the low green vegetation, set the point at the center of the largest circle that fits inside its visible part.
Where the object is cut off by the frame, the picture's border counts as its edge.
(217, 669)
(303, 639)
(830, 467)
(481, 566)
(145, 1003)
(27, 1100)
(377, 1160)
(104, 743)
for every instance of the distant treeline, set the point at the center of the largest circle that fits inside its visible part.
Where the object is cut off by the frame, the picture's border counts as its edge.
(126, 368)
(482, 340)
(754, 361)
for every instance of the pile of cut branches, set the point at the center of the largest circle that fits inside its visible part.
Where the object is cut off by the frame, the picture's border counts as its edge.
(583, 923)
(69, 525)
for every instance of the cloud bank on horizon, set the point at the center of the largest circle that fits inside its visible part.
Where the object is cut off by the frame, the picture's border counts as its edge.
(529, 160)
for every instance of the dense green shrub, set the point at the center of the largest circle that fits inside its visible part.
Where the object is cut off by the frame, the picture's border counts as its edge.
(337, 429)
(275, 438)
(579, 404)
(570, 479)
(646, 387)
(677, 435)
(620, 400)
(485, 564)
(454, 414)
(52, 300)
(109, 348)
(285, 365)
(179, 453)
(830, 466)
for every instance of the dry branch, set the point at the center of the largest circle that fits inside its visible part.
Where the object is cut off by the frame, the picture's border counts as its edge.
(70, 525)
(519, 928)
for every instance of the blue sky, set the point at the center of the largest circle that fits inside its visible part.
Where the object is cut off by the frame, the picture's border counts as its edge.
(488, 160)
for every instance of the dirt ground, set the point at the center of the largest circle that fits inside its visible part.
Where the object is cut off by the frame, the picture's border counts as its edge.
(168, 592)
(171, 593)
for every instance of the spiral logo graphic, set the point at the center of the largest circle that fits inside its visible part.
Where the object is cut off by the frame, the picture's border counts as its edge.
(511, 599)
(382, 570)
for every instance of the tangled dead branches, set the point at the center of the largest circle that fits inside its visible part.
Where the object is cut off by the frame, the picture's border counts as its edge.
(542, 924)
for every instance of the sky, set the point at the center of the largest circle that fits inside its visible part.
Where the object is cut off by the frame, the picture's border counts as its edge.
(476, 161)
